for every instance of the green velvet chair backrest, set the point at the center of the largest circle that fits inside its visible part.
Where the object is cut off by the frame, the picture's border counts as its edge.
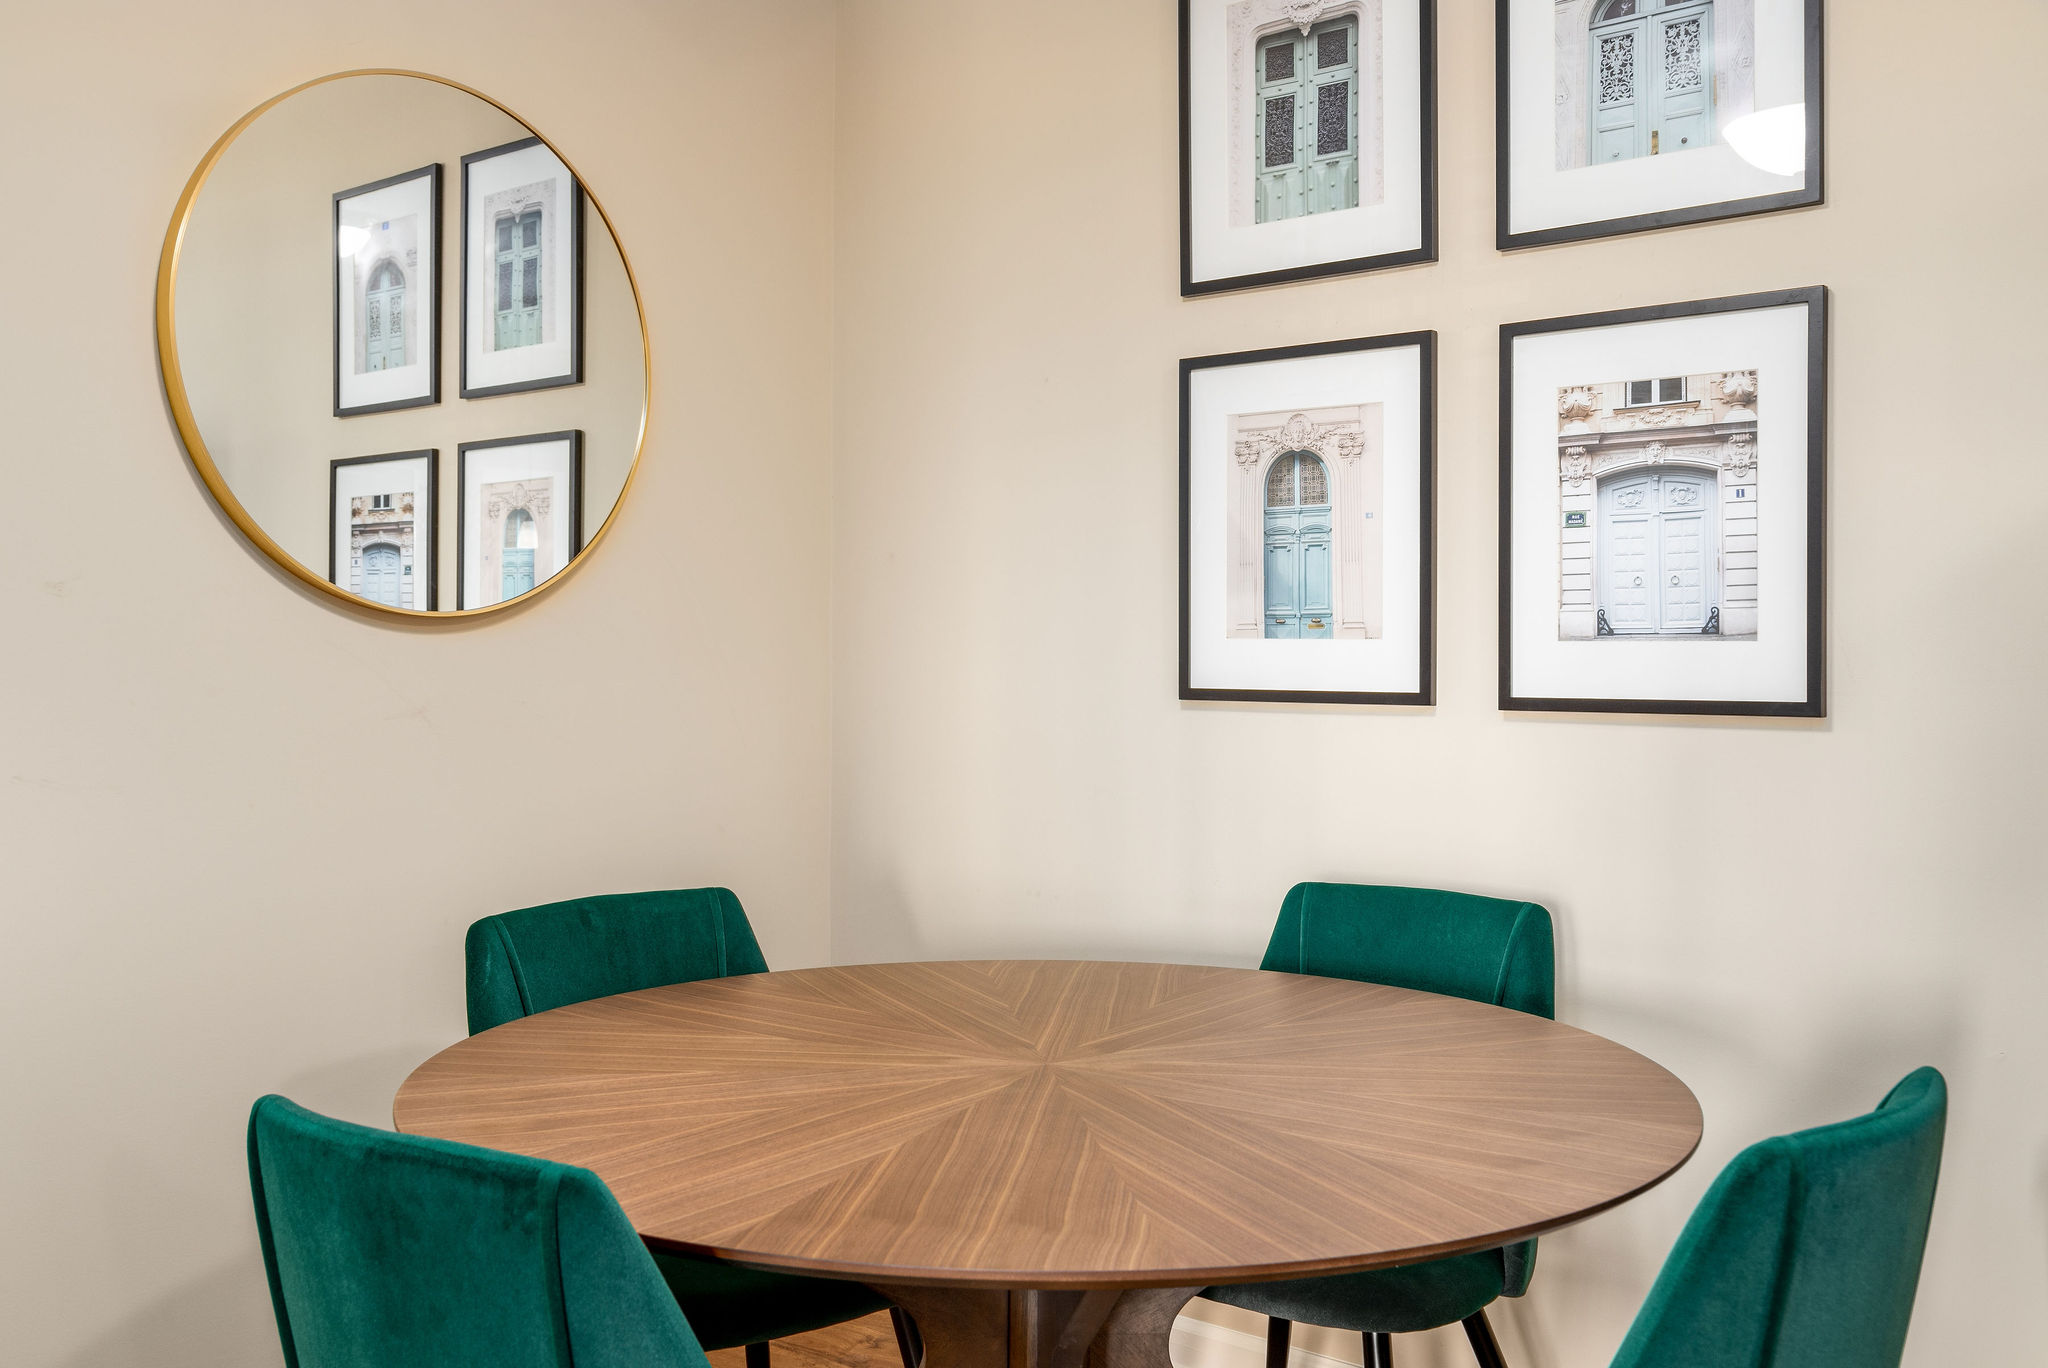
(1490, 950)
(387, 1249)
(540, 958)
(1459, 944)
(1805, 1253)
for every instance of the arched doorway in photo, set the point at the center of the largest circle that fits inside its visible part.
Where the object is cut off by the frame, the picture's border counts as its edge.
(1659, 552)
(516, 567)
(1298, 541)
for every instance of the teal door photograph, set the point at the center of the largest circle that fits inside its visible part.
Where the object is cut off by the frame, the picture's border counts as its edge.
(1651, 77)
(518, 281)
(1299, 603)
(384, 318)
(1303, 532)
(522, 538)
(1307, 121)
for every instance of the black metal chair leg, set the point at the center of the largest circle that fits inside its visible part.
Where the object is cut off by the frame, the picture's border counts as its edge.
(1485, 1347)
(757, 1355)
(909, 1343)
(1379, 1349)
(1278, 1334)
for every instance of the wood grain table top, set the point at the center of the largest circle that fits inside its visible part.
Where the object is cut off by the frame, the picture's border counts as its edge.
(1063, 1124)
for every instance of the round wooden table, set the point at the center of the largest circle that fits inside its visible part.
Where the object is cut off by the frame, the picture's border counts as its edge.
(1043, 1161)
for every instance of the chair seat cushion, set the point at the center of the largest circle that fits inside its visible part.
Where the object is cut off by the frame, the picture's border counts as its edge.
(1391, 1301)
(728, 1305)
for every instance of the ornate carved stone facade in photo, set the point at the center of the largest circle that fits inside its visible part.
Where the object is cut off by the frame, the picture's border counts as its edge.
(1306, 523)
(381, 563)
(1658, 482)
(535, 540)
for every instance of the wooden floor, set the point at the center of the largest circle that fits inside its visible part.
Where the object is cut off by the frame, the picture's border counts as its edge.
(869, 1342)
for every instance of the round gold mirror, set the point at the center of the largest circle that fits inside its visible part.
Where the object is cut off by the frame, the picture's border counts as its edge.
(402, 344)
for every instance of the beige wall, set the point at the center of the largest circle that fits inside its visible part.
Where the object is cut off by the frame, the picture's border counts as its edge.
(1790, 917)
(990, 746)
(212, 891)
(256, 315)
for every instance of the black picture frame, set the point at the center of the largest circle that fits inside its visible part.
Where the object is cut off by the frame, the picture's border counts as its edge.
(1424, 694)
(1814, 705)
(1426, 251)
(1812, 193)
(574, 374)
(426, 521)
(430, 300)
(574, 437)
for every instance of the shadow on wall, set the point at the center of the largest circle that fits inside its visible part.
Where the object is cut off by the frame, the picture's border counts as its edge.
(216, 1320)
(892, 932)
(359, 1088)
(894, 926)
(223, 1318)
(2041, 1193)
(1753, 1083)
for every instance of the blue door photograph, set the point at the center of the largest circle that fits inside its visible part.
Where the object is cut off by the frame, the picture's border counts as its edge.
(1652, 75)
(1299, 529)
(384, 318)
(518, 281)
(1659, 554)
(383, 580)
(516, 564)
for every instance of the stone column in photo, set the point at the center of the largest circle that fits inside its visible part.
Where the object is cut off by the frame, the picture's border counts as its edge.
(1359, 445)
(1734, 61)
(1577, 616)
(1246, 531)
(1572, 25)
(1738, 505)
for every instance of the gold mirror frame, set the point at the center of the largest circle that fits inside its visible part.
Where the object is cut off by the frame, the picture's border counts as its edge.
(188, 425)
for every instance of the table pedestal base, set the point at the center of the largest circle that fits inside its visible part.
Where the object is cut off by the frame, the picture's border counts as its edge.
(1103, 1328)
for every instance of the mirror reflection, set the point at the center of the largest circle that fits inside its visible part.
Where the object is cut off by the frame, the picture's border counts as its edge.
(407, 348)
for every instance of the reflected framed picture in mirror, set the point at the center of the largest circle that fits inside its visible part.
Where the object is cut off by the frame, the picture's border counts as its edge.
(387, 292)
(381, 521)
(522, 271)
(518, 514)
(1618, 116)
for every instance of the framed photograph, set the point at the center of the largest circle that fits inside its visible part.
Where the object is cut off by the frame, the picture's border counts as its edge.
(387, 291)
(1663, 509)
(522, 271)
(1307, 523)
(380, 520)
(1307, 139)
(1616, 116)
(518, 514)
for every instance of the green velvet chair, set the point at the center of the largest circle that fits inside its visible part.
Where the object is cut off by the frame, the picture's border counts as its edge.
(388, 1249)
(1485, 949)
(539, 958)
(1805, 1253)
